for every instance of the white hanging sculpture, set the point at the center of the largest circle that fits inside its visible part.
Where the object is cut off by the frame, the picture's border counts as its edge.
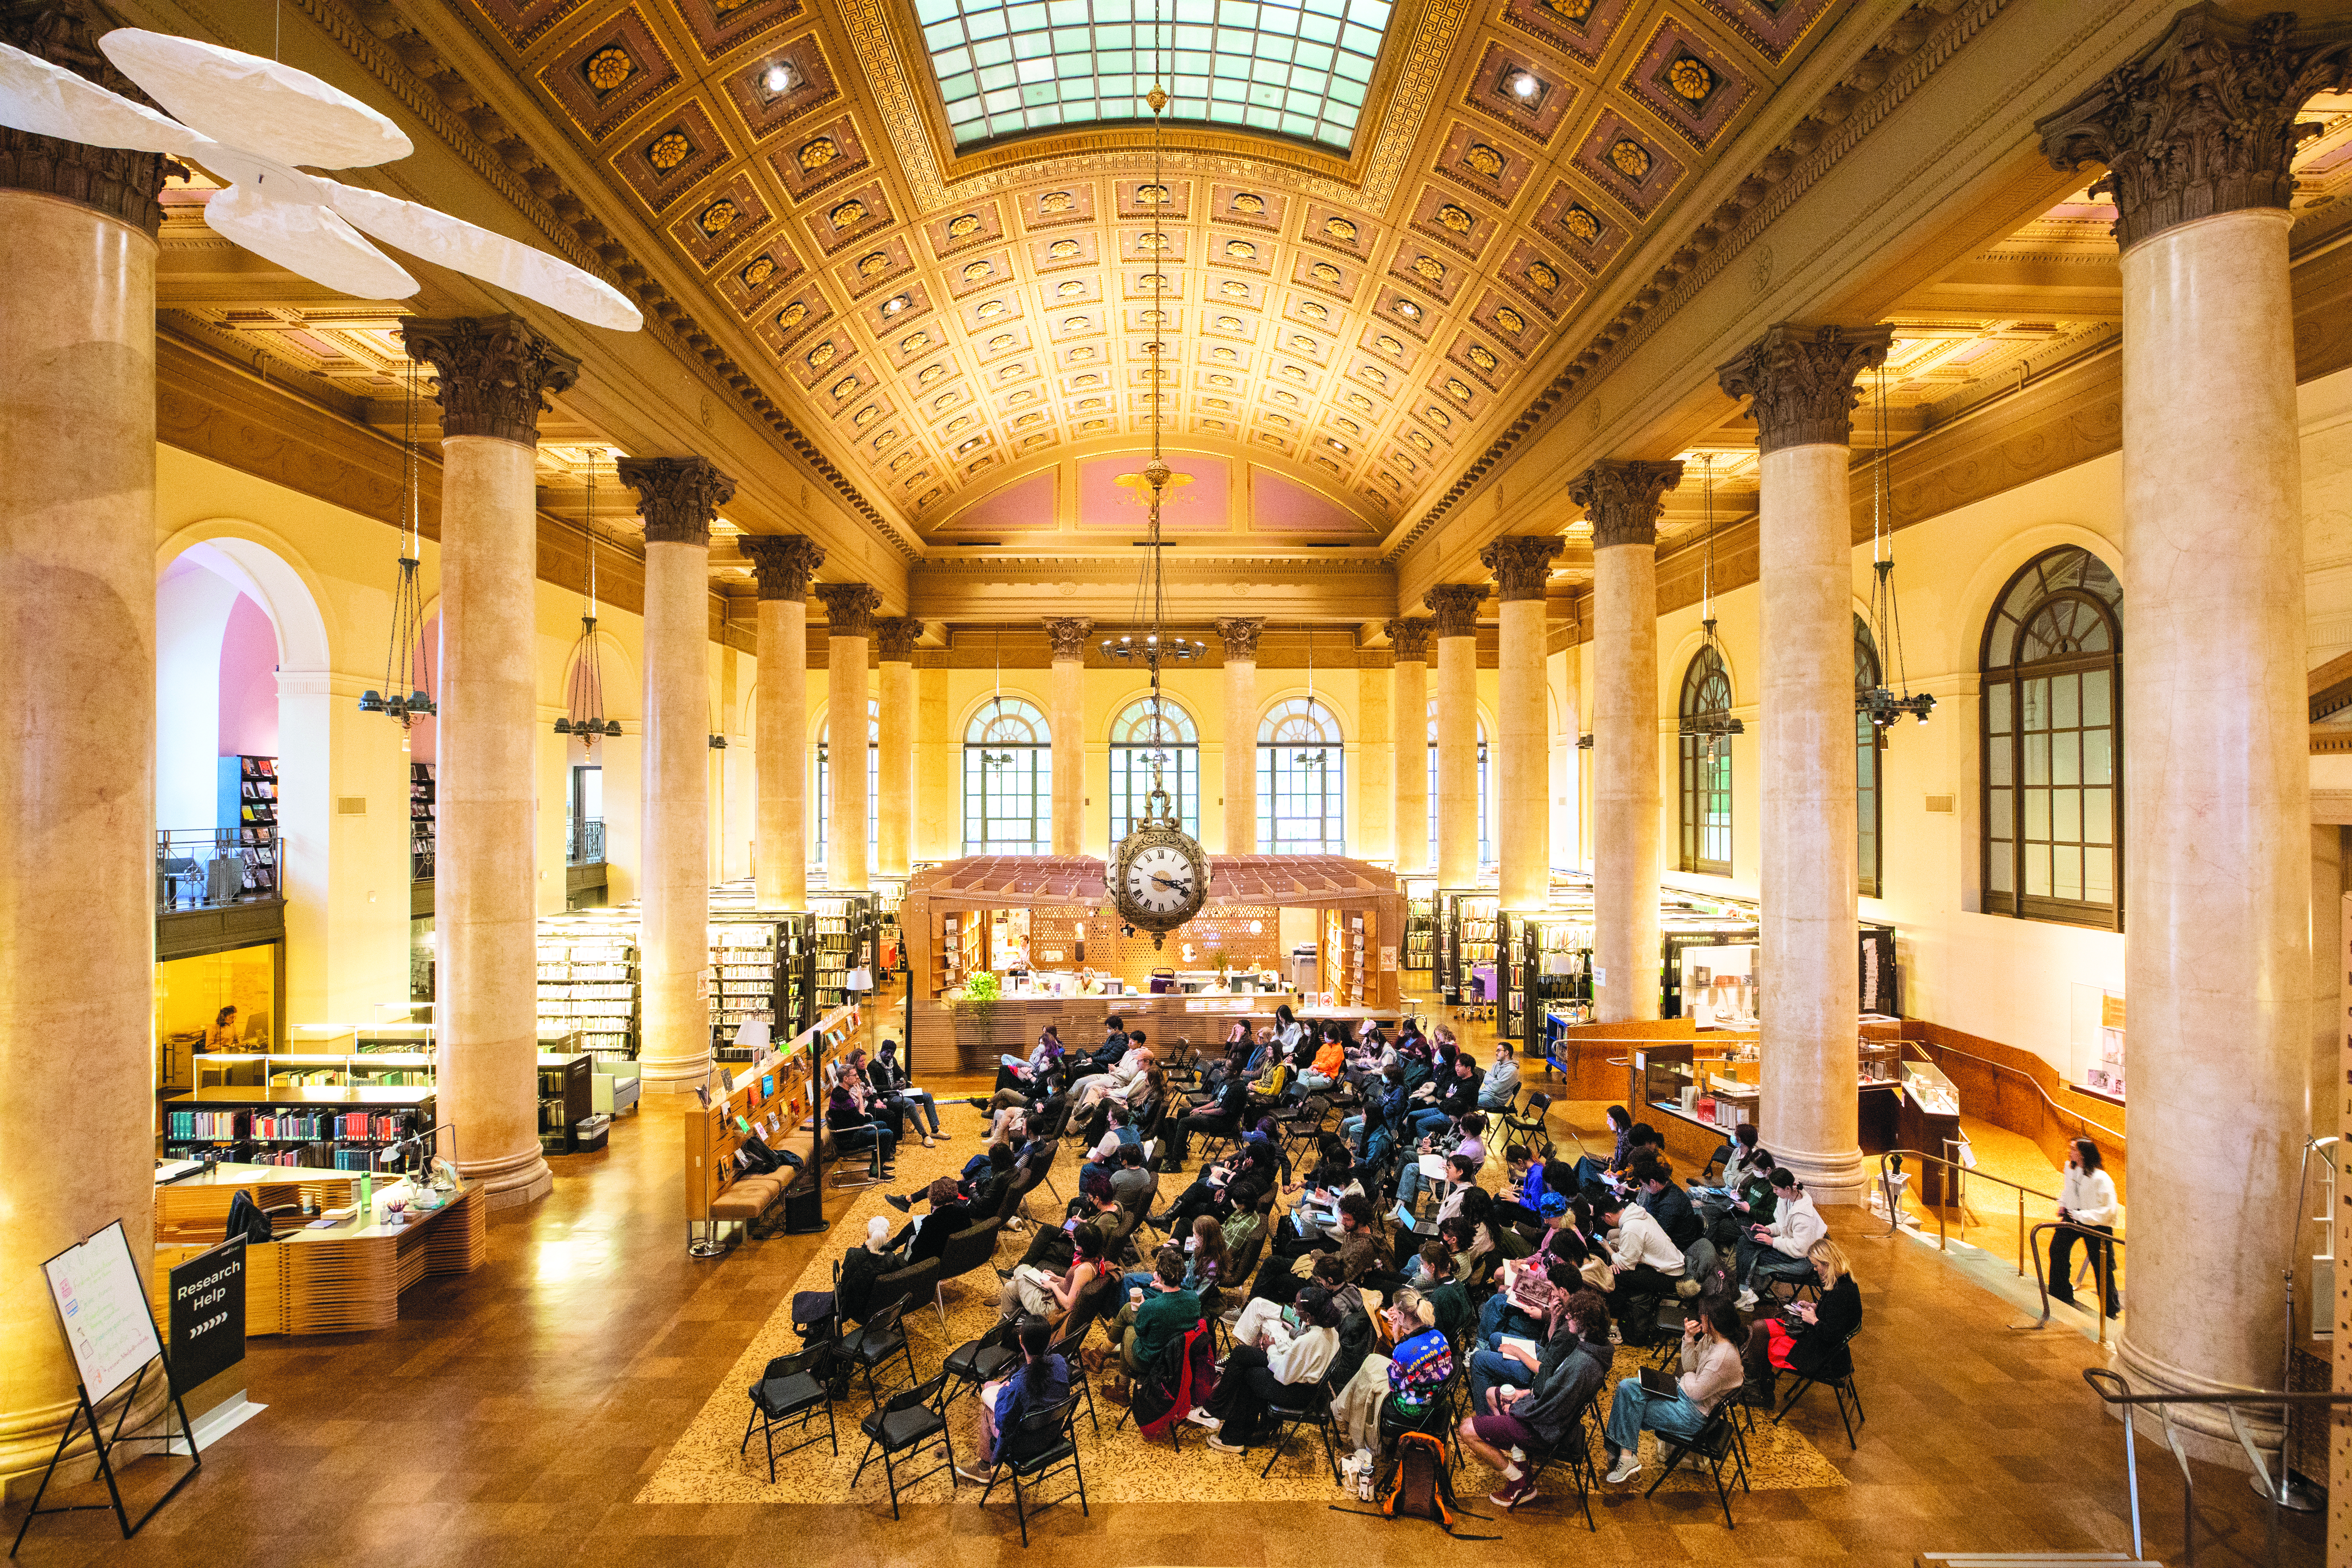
(250, 122)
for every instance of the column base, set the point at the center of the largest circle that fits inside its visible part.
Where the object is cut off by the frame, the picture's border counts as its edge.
(512, 1182)
(2203, 1429)
(1839, 1177)
(682, 1076)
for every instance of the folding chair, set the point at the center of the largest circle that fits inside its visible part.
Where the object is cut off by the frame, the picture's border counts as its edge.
(1529, 1126)
(1308, 1405)
(790, 1394)
(908, 1421)
(883, 1336)
(1068, 1347)
(1718, 1442)
(1052, 1445)
(1842, 1385)
(978, 1361)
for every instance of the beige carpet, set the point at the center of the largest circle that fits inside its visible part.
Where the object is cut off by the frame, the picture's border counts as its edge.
(704, 1467)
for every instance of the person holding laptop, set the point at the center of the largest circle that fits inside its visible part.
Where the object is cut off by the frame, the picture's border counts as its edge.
(1676, 1408)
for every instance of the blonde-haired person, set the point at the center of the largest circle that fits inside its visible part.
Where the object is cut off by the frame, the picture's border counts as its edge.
(1808, 1338)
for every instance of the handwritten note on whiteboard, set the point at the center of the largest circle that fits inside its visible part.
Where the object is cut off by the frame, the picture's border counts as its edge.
(103, 1307)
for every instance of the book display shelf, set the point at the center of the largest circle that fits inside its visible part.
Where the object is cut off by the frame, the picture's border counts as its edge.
(421, 818)
(843, 939)
(247, 814)
(566, 1104)
(341, 1129)
(1546, 966)
(1466, 939)
(760, 967)
(588, 980)
(1419, 923)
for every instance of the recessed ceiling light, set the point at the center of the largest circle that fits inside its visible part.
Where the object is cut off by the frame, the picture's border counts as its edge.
(1523, 84)
(1408, 310)
(894, 304)
(781, 78)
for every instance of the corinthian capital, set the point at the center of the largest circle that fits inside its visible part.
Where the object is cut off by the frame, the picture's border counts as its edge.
(1241, 636)
(2202, 123)
(115, 181)
(784, 561)
(894, 637)
(678, 497)
(1410, 636)
(491, 373)
(1521, 562)
(1623, 499)
(849, 608)
(1069, 633)
(1802, 379)
(1456, 607)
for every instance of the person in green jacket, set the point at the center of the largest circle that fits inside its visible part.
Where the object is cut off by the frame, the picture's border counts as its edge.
(1163, 1319)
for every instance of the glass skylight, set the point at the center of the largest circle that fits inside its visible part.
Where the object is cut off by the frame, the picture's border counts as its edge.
(1296, 68)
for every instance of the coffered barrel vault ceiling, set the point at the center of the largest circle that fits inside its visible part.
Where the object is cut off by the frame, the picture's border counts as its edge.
(1348, 313)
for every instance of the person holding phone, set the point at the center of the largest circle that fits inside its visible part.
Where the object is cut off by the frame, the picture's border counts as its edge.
(1808, 1338)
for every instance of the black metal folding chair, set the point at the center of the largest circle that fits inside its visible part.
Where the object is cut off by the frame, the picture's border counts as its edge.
(1842, 1386)
(907, 1421)
(1047, 1443)
(1306, 1405)
(1716, 1443)
(883, 1337)
(790, 1394)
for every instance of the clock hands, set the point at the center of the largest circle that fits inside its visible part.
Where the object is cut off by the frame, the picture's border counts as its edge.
(1172, 887)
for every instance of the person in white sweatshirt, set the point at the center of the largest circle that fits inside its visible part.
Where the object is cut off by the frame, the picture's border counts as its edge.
(1770, 1253)
(2086, 1196)
(1645, 1262)
(1258, 1376)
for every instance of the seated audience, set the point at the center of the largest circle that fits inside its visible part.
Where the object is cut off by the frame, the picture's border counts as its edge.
(1807, 1338)
(1287, 1352)
(929, 1233)
(1536, 1407)
(1038, 1381)
(1499, 1090)
(1710, 1370)
(1783, 1249)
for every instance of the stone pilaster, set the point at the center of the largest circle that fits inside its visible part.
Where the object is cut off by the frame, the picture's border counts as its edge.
(1409, 636)
(1454, 607)
(849, 614)
(1068, 635)
(1239, 634)
(894, 810)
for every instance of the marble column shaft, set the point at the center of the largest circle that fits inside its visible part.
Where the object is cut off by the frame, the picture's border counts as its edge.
(1410, 719)
(76, 774)
(1455, 608)
(678, 497)
(1522, 759)
(1067, 690)
(492, 374)
(1241, 637)
(849, 608)
(894, 818)
(1622, 499)
(783, 565)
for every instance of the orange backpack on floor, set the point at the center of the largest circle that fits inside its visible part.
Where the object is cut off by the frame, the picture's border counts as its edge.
(1419, 1482)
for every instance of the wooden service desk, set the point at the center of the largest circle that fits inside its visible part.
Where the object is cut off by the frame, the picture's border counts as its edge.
(337, 1279)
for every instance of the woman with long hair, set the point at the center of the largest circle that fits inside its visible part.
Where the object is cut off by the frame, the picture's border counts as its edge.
(1206, 1261)
(2086, 1197)
(1041, 1294)
(1038, 1381)
(1710, 1370)
(1808, 1338)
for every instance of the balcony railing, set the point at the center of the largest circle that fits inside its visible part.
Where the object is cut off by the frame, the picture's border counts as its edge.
(202, 869)
(587, 846)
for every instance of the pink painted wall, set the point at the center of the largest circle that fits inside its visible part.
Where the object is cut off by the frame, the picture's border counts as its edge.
(1279, 505)
(248, 682)
(1196, 508)
(1024, 505)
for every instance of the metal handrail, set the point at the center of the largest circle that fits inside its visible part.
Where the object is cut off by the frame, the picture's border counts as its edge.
(2100, 1377)
(2055, 1108)
(1963, 1174)
(2106, 1271)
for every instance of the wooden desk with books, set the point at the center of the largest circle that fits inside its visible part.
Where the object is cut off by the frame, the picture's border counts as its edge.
(337, 1278)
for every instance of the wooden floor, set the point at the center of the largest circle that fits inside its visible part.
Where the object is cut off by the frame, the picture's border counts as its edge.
(513, 1413)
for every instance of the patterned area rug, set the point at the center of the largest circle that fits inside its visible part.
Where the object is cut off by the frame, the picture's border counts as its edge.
(704, 1466)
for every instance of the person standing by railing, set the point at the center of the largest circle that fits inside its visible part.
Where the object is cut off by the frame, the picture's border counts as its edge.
(2086, 1196)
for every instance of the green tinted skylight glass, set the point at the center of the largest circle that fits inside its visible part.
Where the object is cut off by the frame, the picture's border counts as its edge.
(1296, 68)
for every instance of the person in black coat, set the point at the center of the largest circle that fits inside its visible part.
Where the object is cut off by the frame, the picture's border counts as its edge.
(1668, 1204)
(1810, 1337)
(1222, 1120)
(949, 1214)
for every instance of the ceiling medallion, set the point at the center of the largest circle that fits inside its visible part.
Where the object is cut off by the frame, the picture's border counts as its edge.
(845, 386)
(1438, 416)
(960, 422)
(791, 315)
(1387, 344)
(1294, 373)
(1510, 320)
(1254, 206)
(1456, 218)
(1223, 380)
(914, 343)
(1484, 159)
(761, 269)
(1091, 425)
(990, 310)
(1484, 359)
(1093, 401)
(882, 441)
(670, 149)
(932, 373)
(1303, 343)
(608, 68)
(1241, 250)
(1153, 317)
(1631, 159)
(1008, 372)
(1349, 426)
(1324, 272)
(872, 264)
(1228, 324)
(903, 459)
(1150, 195)
(1034, 437)
(1056, 201)
(974, 272)
(1032, 418)
(1076, 324)
(1407, 309)
(944, 401)
(1418, 439)
(847, 214)
(1062, 250)
(1070, 289)
(963, 225)
(718, 217)
(1430, 267)
(1526, 87)
(1359, 401)
(820, 355)
(1225, 354)
(1543, 275)
(968, 446)
(897, 304)
(1284, 396)
(1233, 289)
(1000, 342)
(1088, 379)
(817, 154)
(1154, 243)
(1340, 229)
(1690, 80)
(1577, 11)
(865, 415)
(1314, 312)
(1580, 223)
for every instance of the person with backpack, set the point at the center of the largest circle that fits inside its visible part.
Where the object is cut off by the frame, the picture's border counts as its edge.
(1710, 1370)
(1290, 1352)
(1536, 1410)
(1039, 1381)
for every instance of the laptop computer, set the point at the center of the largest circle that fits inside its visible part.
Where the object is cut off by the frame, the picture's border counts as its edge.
(1660, 1383)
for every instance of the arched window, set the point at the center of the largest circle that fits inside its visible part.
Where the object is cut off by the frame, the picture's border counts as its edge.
(1486, 839)
(1868, 739)
(1008, 780)
(2054, 836)
(1141, 736)
(1706, 806)
(1301, 781)
(821, 842)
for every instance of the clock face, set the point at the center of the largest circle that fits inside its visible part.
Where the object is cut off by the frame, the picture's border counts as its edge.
(1160, 881)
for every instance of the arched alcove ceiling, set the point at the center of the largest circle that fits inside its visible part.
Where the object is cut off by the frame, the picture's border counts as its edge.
(1363, 279)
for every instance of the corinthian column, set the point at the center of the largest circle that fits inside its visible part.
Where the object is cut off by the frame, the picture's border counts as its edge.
(1454, 606)
(894, 818)
(1622, 499)
(1410, 635)
(76, 773)
(1521, 563)
(2198, 136)
(678, 497)
(490, 376)
(1240, 636)
(1069, 635)
(783, 563)
(849, 617)
(1803, 382)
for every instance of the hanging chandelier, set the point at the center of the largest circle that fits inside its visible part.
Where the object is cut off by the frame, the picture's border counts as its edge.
(584, 702)
(1881, 704)
(403, 677)
(990, 759)
(1714, 727)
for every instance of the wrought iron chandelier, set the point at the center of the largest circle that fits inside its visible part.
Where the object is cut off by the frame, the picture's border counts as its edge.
(990, 759)
(1882, 704)
(1304, 757)
(1714, 728)
(584, 701)
(403, 677)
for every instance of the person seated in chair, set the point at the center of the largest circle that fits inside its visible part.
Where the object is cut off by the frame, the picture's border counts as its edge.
(820, 1313)
(1807, 1338)
(1287, 1353)
(1094, 1209)
(1535, 1405)
(1783, 1249)
(1222, 1119)
(1419, 1367)
(1119, 1130)
(1710, 1370)
(1739, 1157)
(1153, 1325)
(1645, 1263)
(926, 1236)
(1035, 1289)
(1131, 1184)
(1499, 1090)
(1432, 1275)
(889, 1079)
(1655, 1190)
(1527, 1291)
(852, 1130)
(1589, 1170)
(1328, 1063)
(1360, 1248)
(1039, 1381)
(1455, 1096)
(1751, 1202)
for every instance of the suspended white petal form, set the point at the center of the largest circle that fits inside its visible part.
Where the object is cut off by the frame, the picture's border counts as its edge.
(493, 257)
(49, 100)
(258, 104)
(308, 239)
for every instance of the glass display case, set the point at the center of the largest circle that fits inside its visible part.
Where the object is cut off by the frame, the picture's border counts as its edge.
(1710, 1084)
(1881, 1061)
(1928, 1087)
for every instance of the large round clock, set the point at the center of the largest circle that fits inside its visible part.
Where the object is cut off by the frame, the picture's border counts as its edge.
(1158, 878)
